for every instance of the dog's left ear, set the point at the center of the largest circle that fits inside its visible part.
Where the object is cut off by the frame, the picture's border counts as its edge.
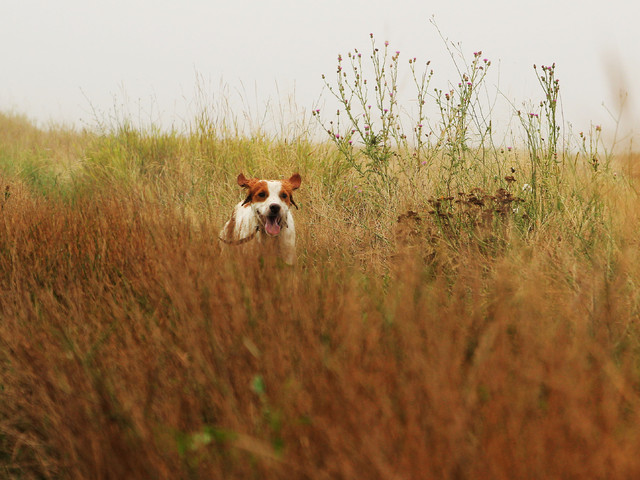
(295, 180)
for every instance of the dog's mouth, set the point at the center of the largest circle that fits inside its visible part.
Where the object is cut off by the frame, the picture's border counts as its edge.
(272, 224)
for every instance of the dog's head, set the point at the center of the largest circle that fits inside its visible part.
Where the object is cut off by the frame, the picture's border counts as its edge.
(270, 200)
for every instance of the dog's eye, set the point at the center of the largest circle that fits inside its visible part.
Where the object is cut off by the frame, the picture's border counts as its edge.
(284, 196)
(262, 195)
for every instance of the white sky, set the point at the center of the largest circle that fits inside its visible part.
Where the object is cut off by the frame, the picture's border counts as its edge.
(62, 59)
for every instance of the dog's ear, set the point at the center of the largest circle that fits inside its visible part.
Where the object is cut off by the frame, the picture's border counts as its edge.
(295, 180)
(243, 181)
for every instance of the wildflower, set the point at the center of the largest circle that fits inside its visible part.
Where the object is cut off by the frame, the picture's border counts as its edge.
(386, 43)
(526, 187)
(424, 162)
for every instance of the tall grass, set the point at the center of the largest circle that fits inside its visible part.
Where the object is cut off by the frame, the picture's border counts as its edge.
(450, 336)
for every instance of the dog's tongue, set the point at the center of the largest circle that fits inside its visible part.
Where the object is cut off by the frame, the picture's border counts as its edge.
(272, 227)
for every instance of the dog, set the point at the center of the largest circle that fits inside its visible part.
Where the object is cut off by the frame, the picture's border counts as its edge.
(264, 216)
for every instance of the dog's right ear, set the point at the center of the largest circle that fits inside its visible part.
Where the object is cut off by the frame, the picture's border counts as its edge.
(243, 181)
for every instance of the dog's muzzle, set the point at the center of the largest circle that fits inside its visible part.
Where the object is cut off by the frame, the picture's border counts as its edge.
(274, 220)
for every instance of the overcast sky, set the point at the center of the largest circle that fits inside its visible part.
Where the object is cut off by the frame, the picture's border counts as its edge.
(62, 60)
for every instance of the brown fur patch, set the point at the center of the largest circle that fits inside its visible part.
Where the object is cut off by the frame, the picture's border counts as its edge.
(231, 226)
(288, 186)
(256, 188)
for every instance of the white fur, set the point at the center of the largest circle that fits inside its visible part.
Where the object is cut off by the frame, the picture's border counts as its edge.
(247, 224)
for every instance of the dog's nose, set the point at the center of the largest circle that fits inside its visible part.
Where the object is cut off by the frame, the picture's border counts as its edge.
(274, 208)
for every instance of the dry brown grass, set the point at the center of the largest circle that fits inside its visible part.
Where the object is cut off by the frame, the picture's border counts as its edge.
(130, 347)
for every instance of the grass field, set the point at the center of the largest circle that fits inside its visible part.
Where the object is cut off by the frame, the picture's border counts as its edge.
(423, 333)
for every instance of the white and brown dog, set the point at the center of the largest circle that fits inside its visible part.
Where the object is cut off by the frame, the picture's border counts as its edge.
(265, 216)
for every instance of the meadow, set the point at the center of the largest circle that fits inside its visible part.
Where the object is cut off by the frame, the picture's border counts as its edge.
(459, 309)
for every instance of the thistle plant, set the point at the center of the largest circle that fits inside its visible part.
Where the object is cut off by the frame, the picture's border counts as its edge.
(367, 128)
(543, 132)
(589, 147)
(551, 89)
(456, 108)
